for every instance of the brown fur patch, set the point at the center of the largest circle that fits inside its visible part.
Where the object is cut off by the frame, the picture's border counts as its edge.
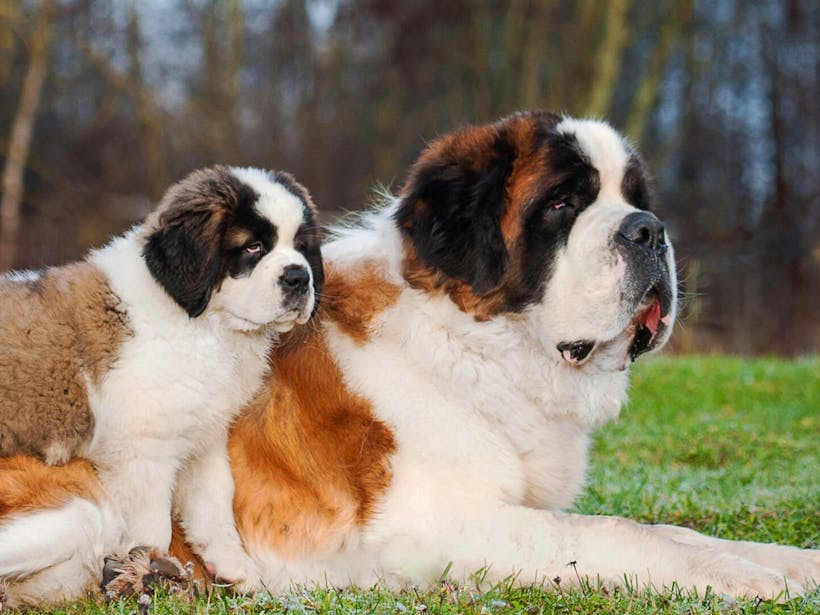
(472, 149)
(27, 484)
(430, 280)
(57, 331)
(309, 458)
(355, 298)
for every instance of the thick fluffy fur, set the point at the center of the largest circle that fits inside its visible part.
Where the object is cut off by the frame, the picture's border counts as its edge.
(436, 413)
(137, 359)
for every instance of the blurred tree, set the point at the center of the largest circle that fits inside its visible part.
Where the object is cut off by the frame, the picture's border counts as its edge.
(720, 96)
(149, 115)
(20, 138)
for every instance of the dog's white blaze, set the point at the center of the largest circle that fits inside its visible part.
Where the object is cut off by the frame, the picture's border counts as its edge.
(605, 149)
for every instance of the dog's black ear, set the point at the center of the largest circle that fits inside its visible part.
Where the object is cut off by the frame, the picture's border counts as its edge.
(451, 209)
(184, 255)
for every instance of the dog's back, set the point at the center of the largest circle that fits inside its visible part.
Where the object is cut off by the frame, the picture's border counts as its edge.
(60, 328)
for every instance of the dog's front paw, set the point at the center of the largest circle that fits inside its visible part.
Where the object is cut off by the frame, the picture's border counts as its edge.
(734, 576)
(802, 565)
(141, 572)
(235, 569)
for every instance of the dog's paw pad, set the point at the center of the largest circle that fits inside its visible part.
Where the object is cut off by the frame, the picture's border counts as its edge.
(141, 571)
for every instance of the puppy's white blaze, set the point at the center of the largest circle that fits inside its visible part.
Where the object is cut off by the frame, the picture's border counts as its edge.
(275, 203)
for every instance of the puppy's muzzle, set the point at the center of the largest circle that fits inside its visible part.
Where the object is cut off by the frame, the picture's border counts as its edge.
(294, 280)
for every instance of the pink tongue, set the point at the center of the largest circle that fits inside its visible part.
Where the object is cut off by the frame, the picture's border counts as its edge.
(653, 316)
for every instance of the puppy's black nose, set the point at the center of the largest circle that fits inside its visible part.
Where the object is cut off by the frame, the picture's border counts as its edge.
(642, 229)
(295, 279)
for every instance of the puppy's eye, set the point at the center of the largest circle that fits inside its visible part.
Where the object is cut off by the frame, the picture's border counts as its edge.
(254, 249)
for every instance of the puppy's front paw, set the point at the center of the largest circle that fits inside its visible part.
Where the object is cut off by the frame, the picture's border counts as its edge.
(141, 571)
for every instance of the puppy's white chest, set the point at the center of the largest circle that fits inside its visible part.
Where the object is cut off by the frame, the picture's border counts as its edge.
(182, 391)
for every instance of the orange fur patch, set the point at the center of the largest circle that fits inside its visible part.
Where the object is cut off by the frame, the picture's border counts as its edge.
(184, 553)
(27, 484)
(355, 298)
(430, 280)
(309, 458)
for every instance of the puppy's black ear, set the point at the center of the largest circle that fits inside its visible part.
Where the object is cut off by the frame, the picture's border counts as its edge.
(451, 210)
(184, 255)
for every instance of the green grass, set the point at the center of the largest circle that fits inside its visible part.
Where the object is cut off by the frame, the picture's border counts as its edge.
(726, 446)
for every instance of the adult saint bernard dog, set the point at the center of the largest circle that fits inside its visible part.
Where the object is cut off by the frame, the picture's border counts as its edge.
(129, 366)
(436, 413)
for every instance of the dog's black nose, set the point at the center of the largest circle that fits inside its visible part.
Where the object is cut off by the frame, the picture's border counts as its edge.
(295, 279)
(643, 229)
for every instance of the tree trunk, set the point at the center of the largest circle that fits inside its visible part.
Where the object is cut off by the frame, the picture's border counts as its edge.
(608, 58)
(148, 114)
(646, 95)
(20, 139)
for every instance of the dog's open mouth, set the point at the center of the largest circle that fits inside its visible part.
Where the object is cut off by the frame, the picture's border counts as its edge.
(646, 323)
(641, 335)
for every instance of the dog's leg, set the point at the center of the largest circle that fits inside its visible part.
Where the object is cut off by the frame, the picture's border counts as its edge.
(56, 554)
(536, 545)
(142, 489)
(204, 503)
(803, 565)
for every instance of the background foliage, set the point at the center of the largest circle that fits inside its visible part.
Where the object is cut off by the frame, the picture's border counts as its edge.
(720, 95)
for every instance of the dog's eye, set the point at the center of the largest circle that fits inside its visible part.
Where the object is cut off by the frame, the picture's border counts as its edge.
(254, 249)
(561, 203)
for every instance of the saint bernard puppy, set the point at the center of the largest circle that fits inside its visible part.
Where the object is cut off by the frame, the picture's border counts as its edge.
(130, 365)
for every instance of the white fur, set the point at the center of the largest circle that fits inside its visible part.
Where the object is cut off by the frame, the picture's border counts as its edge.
(22, 276)
(57, 552)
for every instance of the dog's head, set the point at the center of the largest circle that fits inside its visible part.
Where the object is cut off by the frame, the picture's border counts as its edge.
(240, 242)
(546, 218)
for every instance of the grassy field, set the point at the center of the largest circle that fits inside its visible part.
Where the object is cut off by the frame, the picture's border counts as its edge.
(726, 446)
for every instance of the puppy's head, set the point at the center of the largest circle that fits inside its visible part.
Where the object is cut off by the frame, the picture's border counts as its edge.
(546, 218)
(242, 242)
